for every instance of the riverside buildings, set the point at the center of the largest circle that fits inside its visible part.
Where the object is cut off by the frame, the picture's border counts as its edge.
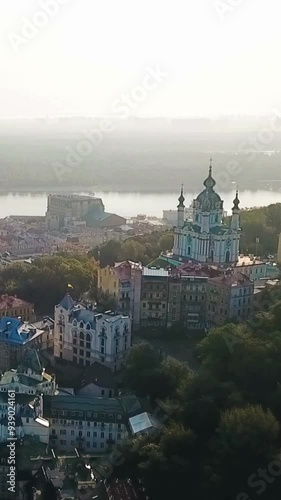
(62, 209)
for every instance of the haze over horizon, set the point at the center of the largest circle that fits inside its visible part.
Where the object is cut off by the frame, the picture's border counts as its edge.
(82, 60)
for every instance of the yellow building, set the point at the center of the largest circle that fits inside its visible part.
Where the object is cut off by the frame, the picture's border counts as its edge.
(123, 281)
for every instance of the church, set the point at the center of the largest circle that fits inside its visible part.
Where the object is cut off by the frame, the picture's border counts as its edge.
(206, 239)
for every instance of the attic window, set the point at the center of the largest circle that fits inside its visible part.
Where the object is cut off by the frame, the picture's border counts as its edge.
(81, 324)
(88, 327)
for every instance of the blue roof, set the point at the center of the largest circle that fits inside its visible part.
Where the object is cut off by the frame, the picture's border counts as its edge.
(67, 302)
(84, 315)
(10, 331)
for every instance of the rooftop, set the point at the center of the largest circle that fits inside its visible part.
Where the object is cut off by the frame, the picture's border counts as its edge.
(99, 375)
(74, 197)
(77, 403)
(232, 278)
(248, 260)
(155, 272)
(13, 331)
(10, 302)
(144, 422)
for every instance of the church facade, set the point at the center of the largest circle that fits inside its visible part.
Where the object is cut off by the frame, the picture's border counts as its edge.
(206, 239)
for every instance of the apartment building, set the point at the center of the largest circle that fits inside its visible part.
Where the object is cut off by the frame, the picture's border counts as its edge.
(123, 281)
(229, 297)
(187, 297)
(88, 424)
(154, 297)
(83, 336)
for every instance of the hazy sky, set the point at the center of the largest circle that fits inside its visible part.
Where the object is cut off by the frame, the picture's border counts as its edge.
(92, 52)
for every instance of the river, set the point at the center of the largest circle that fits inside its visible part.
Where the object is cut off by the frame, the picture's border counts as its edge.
(130, 204)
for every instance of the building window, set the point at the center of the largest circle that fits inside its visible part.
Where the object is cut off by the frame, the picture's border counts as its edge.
(27, 420)
(102, 445)
(119, 436)
(95, 434)
(102, 435)
(72, 433)
(81, 352)
(74, 350)
(88, 434)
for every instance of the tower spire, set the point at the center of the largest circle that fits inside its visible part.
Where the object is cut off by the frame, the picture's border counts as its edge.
(211, 165)
(181, 198)
(236, 200)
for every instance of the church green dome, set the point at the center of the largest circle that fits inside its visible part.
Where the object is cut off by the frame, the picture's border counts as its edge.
(209, 200)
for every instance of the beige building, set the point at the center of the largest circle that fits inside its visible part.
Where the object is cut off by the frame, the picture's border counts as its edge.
(71, 205)
(123, 281)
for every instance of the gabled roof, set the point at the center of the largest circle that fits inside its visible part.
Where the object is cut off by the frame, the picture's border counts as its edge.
(31, 360)
(99, 375)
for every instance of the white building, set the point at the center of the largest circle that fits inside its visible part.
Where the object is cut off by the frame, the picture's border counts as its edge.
(89, 424)
(83, 336)
(206, 238)
(27, 384)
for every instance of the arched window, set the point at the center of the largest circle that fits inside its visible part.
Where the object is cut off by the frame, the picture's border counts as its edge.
(126, 329)
(81, 324)
(227, 256)
(88, 337)
(81, 336)
(88, 326)
(74, 322)
(117, 331)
